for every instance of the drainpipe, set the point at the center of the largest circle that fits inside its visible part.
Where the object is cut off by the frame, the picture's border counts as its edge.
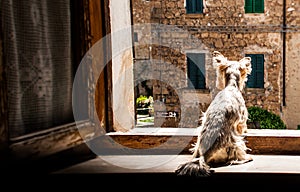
(284, 53)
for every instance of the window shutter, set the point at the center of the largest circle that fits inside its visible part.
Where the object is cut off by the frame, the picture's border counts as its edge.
(194, 6)
(251, 78)
(259, 71)
(256, 78)
(200, 61)
(248, 6)
(189, 6)
(250, 82)
(196, 70)
(258, 6)
(201, 80)
(192, 73)
(199, 6)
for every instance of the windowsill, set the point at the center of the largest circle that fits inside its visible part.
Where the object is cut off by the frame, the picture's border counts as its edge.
(254, 14)
(264, 172)
(156, 131)
(254, 90)
(130, 164)
(272, 170)
(194, 15)
(261, 141)
(268, 166)
(194, 90)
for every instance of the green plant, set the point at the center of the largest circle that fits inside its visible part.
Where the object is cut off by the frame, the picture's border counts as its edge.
(144, 105)
(143, 101)
(147, 120)
(265, 118)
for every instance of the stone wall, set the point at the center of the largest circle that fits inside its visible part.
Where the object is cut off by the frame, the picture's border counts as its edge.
(223, 27)
(293, 14)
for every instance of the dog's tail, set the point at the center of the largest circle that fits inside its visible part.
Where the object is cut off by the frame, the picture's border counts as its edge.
(195, 168)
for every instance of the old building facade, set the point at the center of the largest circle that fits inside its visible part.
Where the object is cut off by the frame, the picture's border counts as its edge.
(171, 36)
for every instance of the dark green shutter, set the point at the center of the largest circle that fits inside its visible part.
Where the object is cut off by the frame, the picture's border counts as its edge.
(248, 6)
(192, 73)
(256, 78)
(189, 6)
(254, 6)
(258, 6)
(196, 70)
(251, 78)
(200, 61)
(194, 6)
(199, 6)
(259, 71)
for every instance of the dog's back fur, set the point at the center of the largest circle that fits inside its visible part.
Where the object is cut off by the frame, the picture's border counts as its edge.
(220, 139)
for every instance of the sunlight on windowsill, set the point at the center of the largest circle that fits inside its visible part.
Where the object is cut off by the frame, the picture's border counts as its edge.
(260, 141)
(193, 132)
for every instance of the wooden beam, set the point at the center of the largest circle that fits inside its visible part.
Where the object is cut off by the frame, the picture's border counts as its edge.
(49, 142)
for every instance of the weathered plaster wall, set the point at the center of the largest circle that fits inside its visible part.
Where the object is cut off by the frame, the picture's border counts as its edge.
(291, 110)
(122, 69)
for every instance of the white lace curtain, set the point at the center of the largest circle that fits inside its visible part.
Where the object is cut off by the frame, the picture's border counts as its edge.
(38, 64)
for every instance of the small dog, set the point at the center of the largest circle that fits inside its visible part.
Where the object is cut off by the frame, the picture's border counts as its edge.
(220, 140)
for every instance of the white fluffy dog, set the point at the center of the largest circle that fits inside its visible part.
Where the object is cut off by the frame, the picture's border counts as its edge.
(220, 140)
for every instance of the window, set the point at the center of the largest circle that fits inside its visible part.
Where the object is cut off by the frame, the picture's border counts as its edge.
(194, 6)
(256, 78)
(196, 70)
(254, 6)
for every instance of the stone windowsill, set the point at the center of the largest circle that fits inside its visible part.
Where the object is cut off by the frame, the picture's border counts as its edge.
(169, 141)
(168, 163)
(269, 170)
(261, 141)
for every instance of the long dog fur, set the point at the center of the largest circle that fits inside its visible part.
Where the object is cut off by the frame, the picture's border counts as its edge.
(220, 138)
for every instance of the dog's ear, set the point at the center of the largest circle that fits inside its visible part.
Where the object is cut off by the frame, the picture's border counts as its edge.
(245, 69)
(220, 64)
(245, 65)
(219, 61)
